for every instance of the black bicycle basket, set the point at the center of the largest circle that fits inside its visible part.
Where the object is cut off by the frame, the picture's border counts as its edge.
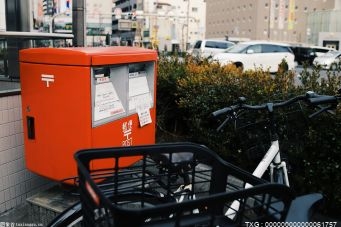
(151, 192)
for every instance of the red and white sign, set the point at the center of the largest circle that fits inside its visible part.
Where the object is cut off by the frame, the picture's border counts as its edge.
(118, 13)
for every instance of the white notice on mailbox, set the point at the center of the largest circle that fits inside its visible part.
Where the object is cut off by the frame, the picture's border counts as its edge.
(107, 102)
(138, 90)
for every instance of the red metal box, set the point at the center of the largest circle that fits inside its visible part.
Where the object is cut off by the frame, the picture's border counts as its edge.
(78, 98)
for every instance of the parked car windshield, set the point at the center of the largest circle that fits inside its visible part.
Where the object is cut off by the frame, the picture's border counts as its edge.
(197, 45)
(258, 48)
(219, 45)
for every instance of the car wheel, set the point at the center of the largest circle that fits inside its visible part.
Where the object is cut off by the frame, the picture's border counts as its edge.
(239, 66)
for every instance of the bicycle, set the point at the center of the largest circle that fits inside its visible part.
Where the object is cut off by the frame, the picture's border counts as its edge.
(142, 195)
(272, 158)
(131, 179)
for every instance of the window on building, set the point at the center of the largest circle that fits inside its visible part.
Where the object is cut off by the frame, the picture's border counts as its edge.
(194, 9)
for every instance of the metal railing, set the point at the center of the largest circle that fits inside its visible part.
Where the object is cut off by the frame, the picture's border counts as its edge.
(11, 42)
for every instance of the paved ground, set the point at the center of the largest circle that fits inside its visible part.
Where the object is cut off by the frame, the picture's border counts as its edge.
(39, 209)
(21, 215)
(32, 214)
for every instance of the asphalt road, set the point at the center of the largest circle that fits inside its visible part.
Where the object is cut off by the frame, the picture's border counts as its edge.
(322, 73)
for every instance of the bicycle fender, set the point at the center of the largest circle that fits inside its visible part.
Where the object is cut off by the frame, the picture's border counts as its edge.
(301, 207)
(67, 216)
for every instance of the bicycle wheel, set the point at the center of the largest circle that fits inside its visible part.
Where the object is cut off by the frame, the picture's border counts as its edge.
(73, 216)
(70, 217)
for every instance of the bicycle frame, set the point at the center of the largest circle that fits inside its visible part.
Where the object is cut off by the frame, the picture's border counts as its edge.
(272, 159)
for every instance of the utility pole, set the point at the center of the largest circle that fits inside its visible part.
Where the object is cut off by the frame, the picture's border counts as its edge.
(78, 23)
(269, 19)
(187, 33)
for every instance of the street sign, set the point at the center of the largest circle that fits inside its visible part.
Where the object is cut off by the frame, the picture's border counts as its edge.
(117, 13)
(134, 24)
(124, 25)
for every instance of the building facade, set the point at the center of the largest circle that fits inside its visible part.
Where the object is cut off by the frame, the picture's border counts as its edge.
(122, 14)
(165, 25)
(325, 28)
(278, 20)
(98, 20)
(2, 15)
(50, 16)
(55, 16)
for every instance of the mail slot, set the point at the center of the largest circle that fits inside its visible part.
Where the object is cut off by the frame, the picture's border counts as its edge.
(76, 98)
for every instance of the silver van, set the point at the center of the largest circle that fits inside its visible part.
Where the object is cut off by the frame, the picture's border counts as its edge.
(206, 48)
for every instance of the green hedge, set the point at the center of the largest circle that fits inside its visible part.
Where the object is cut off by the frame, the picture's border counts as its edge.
(189, 90)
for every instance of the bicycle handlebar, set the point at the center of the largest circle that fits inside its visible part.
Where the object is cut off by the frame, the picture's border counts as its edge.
(324, 99)
(310, 97)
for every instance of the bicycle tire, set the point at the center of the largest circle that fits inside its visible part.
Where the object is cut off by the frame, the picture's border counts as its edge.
(70, 217)
(73, 216)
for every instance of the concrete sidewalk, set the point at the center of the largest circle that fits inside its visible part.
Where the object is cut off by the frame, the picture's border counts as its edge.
(41, 208)
(19, 214)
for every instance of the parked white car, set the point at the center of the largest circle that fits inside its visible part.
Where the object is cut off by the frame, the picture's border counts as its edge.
(207, 48)
(330, 60)
(257, 54)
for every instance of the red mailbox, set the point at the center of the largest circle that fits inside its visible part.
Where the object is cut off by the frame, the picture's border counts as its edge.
(75, 98)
